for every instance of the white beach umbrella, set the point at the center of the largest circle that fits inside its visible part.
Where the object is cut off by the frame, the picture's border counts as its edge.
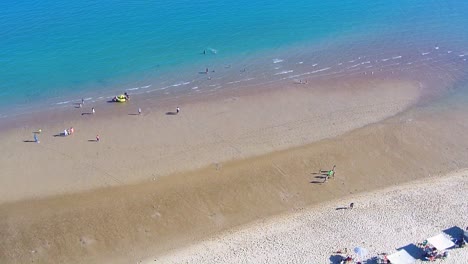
(360, 252)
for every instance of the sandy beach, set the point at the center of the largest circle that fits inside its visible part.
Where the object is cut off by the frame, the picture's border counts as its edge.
(209, 131)
(164, 182)
(382, 222)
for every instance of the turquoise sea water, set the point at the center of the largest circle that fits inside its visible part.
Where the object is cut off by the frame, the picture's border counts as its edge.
(56, 51)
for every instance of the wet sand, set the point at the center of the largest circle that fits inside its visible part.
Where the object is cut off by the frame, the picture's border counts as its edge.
(128, 223)
(209, 131)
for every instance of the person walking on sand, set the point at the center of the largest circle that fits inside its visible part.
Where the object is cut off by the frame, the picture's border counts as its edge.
(177, 110)
(139, 111)
(36, 139)
(94, 111)
(97, 138)
(351, 205)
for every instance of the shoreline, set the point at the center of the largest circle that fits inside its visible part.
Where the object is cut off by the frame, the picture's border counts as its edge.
(129, 223)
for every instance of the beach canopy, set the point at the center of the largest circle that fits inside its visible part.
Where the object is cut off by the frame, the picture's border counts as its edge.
(440, 242)
(401, 257)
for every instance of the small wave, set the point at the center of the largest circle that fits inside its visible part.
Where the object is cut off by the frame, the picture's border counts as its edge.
(64, 102)
(133, 89)
(195, 88)
(146, 87)
(409, 63)
(397, 57)
(277, 60)
(233, 82)
(321, 70)
(277, 68)
(179, 84)
(340, 63)
(425, 53)
(386, 59)
(449, 51)
(461, 55)
(283, 72)
(353, 66)
(351, 61)
(366, 62)
(313, 65)
(301, 62)
(248, 79)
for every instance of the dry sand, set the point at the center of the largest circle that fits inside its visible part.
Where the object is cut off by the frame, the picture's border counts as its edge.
(208, 131)
(129, 223)
(381, 222)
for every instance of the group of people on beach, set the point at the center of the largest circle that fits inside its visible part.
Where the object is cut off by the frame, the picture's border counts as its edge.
(327, 174)
(71, 130)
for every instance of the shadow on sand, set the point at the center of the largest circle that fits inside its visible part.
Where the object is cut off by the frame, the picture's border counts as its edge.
(316, 182)
(341, 208)
(171, 113)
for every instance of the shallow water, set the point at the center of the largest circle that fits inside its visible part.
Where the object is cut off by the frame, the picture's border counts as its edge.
(55, 52)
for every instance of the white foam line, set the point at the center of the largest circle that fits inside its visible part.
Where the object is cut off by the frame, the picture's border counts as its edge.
(162, 88)
(461, 55)
(340, 63)
(386, 59)
(366, 62)
(277, 68)
(234, 82)
(277, 60)
(248, 79)
(133, 89)
(321, 70)
(396, 57)
(449, 51)
(409, 63)
(179, 84)
(301, 62)
(351, 61)
(283, 72)
(353, 66)
(370, 66)
(195, 88)
(313, 65)
(89, 98)
(146, 87)
(425, 53)
(61, 103)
